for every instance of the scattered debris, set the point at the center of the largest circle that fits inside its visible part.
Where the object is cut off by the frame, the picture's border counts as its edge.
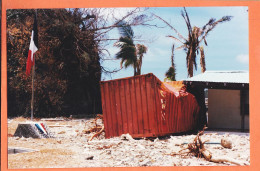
(94, 129)
(199, 150)
(90, 158)
(105, 147)
(226, 143)
(97, 134)
(69, 150)
(127, 137)
(210, 143)
(156, 140)
(16, 150)
(32, 129)
(51, 126)
(53, 119)
(97, 128)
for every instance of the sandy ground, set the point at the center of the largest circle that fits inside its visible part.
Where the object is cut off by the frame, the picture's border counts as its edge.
(70, 148)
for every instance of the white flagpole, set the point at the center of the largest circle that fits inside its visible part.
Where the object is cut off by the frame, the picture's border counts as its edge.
(33, 72)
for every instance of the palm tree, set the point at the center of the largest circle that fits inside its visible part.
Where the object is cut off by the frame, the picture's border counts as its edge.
(141, 50)
(196, 35)
(171, 73)
(129, 53)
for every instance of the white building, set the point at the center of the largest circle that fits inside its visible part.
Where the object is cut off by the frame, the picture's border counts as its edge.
(228, 98)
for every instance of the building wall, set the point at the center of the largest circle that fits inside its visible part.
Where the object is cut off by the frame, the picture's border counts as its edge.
(246, 101)
(224, 109)
(247, 122)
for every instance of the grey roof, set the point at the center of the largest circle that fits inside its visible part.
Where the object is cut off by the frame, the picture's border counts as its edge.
(221, 77)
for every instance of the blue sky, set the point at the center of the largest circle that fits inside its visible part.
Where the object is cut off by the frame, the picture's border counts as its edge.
(227, 49)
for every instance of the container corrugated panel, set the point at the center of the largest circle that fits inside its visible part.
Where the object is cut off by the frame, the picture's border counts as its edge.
(143, 106)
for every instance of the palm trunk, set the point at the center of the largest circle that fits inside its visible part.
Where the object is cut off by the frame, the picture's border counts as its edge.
(139, 65)
(172, 57)
(135, 68)
(190, 64)
(202, 60)
(138, 72)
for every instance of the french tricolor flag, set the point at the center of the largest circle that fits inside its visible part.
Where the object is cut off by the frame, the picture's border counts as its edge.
(33, 48)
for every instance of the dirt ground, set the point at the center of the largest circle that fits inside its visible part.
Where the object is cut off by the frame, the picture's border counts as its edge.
(70, 148)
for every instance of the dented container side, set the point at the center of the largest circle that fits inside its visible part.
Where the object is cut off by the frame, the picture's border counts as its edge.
(181, 111)
(178, 109)
(143, 107)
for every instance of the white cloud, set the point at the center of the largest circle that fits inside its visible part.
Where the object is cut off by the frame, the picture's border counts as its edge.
(243, 58)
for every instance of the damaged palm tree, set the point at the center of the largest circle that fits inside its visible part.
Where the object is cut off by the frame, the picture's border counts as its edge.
(192, 44)
(171, 73)
(131, 54)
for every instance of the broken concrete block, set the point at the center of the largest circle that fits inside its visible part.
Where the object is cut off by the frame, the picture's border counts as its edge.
(34, 130)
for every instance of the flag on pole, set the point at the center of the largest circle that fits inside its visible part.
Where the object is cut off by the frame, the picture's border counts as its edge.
(33, 48)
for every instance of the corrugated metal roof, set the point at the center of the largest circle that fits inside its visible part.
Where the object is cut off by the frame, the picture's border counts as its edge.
(221, 77)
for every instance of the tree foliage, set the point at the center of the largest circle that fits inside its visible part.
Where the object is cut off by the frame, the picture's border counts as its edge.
(196, 36)
(141, 50)
(171, 73)
(131, 54)
(72, 46)
(67, 64)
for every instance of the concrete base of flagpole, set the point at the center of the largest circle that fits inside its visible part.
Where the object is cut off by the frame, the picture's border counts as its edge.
(33, 130)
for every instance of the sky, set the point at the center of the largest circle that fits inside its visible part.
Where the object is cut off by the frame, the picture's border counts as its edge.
(228, 43)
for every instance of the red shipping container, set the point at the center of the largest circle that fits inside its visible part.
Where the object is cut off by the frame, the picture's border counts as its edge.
(143, 106)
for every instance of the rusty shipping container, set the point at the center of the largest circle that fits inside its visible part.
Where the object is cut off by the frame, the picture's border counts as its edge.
(143, 106)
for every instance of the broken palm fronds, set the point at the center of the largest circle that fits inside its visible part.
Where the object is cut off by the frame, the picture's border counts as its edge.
(181, 153)
(96, 134)
(97, 128)
(94, 129)
(224, 143)
(198, 149)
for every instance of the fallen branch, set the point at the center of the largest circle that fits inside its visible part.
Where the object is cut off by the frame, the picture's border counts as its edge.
(199, 150)
(181, 153)
(96, 134)
(95, 129)
(228, 160)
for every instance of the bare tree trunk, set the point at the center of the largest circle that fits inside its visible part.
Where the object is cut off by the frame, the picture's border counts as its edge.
(139, 65)
(135, 68)
(172, 56)
(202, 60)
(190, 65)
(138, 72)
